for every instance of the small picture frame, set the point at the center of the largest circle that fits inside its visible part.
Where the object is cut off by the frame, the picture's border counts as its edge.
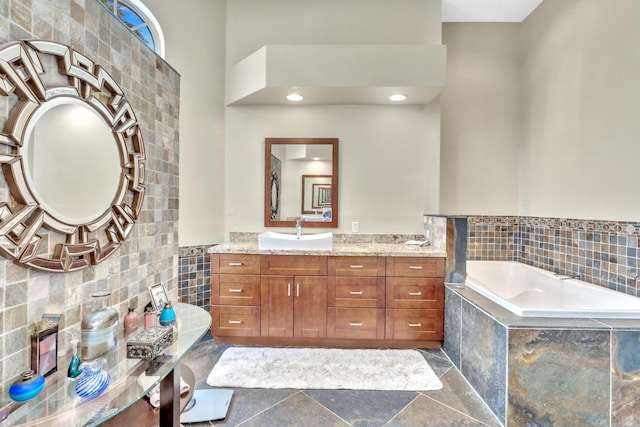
(158, 296)
(44, 351)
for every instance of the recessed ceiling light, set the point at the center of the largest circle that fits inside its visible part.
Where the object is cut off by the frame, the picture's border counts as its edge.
(295, 97)
(398, 97)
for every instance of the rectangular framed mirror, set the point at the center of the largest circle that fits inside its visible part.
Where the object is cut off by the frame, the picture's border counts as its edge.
(301, 182)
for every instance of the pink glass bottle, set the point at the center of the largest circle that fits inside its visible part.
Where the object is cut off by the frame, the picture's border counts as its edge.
(150, 318)
(131, 320)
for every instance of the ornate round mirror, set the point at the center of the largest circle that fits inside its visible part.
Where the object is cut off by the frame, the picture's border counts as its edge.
(73, 158)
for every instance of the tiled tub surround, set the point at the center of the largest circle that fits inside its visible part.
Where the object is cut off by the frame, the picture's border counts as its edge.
(545, 371)
(605, 253)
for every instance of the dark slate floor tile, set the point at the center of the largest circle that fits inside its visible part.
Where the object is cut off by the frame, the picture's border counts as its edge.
(298, 410)
(456, 393)
(428, 413)
(249, 403)
(362, 408)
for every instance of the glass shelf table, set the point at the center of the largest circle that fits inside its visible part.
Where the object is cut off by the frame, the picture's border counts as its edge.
(58, 404)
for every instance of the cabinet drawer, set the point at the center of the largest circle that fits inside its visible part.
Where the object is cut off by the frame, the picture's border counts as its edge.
(355, 323)
(295, 265)
(362, 266)
(415, 324)
(235, 321)
(235, 264)
(415, 267)
(356, 291)
(231, 289)
(407, 292)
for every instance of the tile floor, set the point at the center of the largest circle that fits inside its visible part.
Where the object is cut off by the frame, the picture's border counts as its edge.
(455, 405)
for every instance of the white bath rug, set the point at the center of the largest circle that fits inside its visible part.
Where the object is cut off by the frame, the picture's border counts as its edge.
(323, 368)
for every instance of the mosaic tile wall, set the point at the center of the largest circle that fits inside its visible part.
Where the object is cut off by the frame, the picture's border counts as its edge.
(604, 253)
(195, 276)
(150, 254)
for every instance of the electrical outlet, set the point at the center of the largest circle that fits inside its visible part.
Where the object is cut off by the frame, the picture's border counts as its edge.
(355, 226)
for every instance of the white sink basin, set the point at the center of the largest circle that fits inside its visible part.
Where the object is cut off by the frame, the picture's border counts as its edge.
(281, 241)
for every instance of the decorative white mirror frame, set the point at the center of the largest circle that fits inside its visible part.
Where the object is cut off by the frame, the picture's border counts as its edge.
(28, 231)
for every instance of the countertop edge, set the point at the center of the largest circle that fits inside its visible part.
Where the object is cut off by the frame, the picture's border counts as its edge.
(339, 249)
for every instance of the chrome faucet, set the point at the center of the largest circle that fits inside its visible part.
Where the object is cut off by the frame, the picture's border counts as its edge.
(299, 228)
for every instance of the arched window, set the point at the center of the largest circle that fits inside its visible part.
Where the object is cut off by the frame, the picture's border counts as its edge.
(140, 20)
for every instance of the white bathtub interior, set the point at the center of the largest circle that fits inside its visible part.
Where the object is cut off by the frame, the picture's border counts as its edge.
(532, 292)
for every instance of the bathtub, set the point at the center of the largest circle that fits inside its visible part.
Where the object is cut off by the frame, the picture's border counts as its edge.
(532, 292)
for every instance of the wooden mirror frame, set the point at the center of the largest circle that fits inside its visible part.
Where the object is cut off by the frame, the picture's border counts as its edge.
(269, 142)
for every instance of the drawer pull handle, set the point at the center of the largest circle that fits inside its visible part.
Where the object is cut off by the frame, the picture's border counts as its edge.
(288, 289)
(235, 264)
(235, 322)
(355, 292)
(415, 267)
(235, 291)
(415, 325)
(297, 289)
(356, 266)
(355, 323)
(415, 294)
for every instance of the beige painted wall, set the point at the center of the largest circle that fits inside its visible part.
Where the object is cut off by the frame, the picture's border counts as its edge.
(389, 155)
(480, 119)
(581, 122)
(195, 36)
(389, 169)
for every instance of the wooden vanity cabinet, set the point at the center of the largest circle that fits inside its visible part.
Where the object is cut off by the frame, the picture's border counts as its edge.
(356, 292)
(294, 296)
(235, 295)
(339, 301)
(415, 298)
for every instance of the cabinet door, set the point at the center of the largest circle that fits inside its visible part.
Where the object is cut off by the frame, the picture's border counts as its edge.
(276, 306)
(310, 307)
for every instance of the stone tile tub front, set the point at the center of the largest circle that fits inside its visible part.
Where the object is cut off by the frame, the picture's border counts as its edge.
(535, 371)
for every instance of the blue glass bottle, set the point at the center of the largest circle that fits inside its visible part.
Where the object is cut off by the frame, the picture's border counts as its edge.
(168, 315)
(74, 366)
(27, 387)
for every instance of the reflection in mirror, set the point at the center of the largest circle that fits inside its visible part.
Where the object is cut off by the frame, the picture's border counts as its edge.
(68, 132)
(307, 172)
(316, 193)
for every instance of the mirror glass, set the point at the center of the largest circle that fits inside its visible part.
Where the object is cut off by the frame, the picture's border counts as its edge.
(306, 170)
(69, 133)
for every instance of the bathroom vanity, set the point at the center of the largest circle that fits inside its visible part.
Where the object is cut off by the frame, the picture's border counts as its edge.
(355, 295)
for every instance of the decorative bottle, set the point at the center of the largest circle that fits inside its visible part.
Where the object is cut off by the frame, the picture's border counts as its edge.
(150, 318)
(94, 380)
(74, 366)
(27, 387)
(131, 320)
(99, 327)
(168, 315)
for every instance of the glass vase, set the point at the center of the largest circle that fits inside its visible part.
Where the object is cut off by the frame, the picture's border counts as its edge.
(99, 327)
(94, 379)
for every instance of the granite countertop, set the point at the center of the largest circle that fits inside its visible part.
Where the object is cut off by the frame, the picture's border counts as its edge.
(341, 247)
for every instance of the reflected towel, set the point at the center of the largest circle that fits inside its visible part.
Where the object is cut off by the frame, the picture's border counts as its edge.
(154, 395)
